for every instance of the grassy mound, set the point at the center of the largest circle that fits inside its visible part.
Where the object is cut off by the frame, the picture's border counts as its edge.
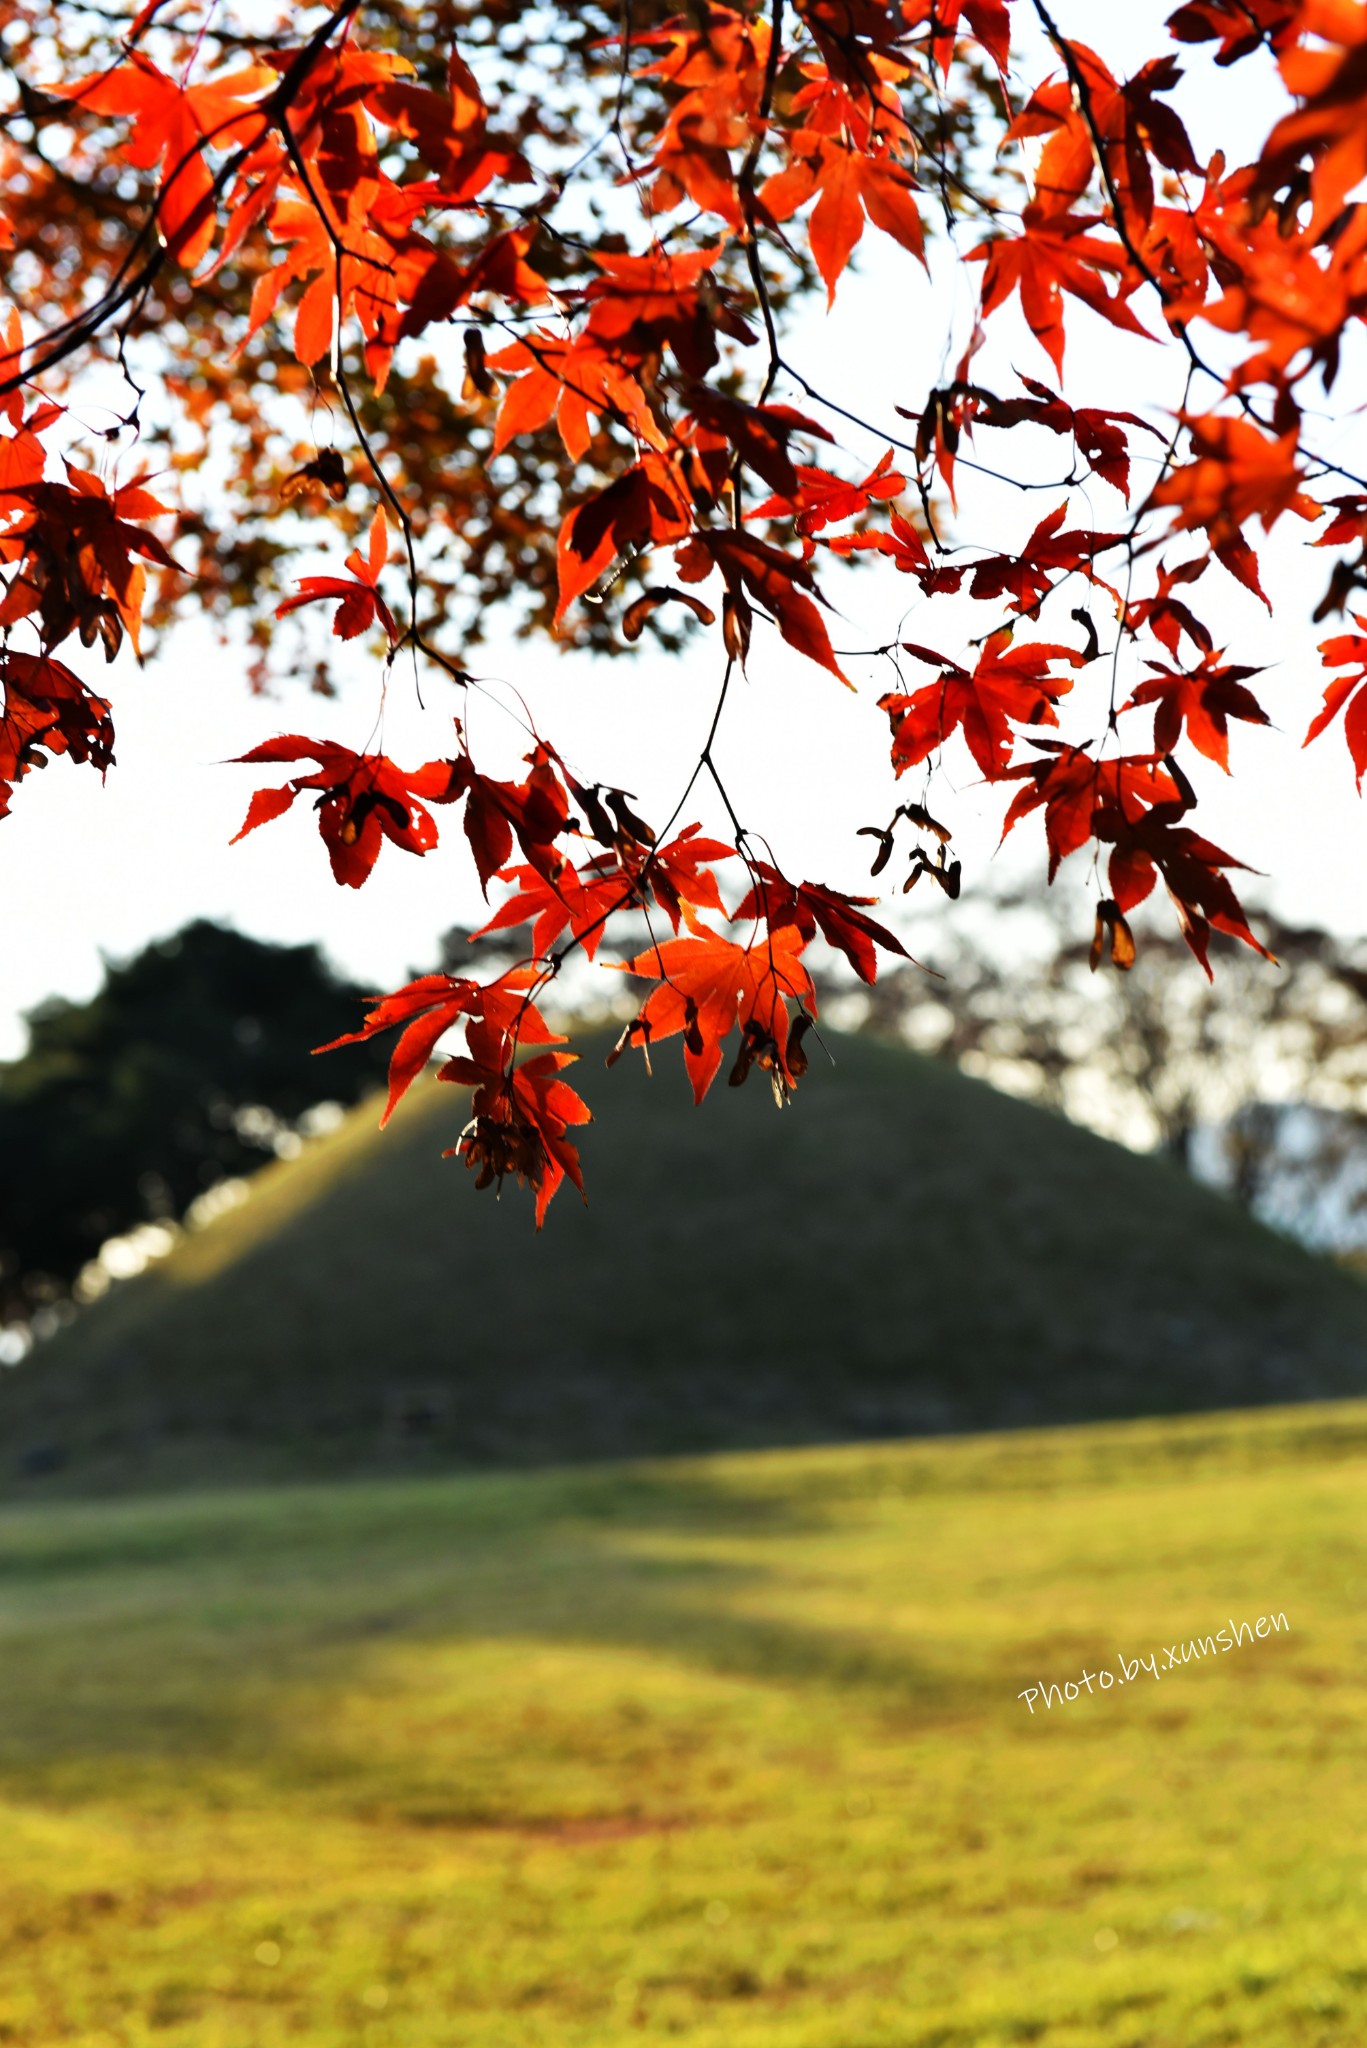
(712, 1752)
(903, 1251)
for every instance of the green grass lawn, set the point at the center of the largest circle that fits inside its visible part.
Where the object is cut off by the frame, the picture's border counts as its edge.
(718, 1751)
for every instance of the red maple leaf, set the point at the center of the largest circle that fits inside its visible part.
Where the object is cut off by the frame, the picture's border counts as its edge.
(718, 66)
(1239, 26)
(1330, 124)
(1029, 577)
(424, 1010)
(680, 872)
(775, 580)
(849, 184)
(1204, 699)
(581, 898)
(521, 1112)
(533, 813)
(173, 126)
(821, 499)
(449, 131)
(1052, 255)
(584, 899)
(440, 286)
(707, 985)
(567, 381)
(642, 303)
(1346, 694)
(521, 1116)
(759, 434)
(809, 908)
(1129, 122)
(81, 554)
(361, 602)
(1168, 617)
(907, 552)
(1009, 683)
(363, 799)
(1238, 473)
(645, 505)
(47, 710)
(1073, 788)
(1192, 869)
(1099, 434)
(988, 19)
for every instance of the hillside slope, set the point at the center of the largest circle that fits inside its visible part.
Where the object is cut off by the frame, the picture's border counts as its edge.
(902, 1251)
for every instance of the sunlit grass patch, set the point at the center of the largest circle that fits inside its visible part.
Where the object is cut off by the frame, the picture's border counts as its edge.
(719, 1751)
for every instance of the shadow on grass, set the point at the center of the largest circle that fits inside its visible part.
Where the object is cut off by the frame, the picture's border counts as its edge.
(226, 1630)
(221, 1632)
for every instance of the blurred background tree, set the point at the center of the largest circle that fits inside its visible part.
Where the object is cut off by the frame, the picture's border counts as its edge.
(1256, 1082)
(190, 1066)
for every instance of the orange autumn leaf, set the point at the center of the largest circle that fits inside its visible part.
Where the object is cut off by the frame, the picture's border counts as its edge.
(362, 800)
(1201, 700)
(1054, 255)
(521, 1116)
(361, 604)
(1346, 695)
(173, 126)
(1329, 78)
(1238, 473)
(1009, 684)
(707, 985)
(849, 187)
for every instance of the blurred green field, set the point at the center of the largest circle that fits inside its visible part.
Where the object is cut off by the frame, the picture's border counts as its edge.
(718, 1750)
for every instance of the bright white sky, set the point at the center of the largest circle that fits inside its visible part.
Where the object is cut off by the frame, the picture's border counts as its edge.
(92, 870)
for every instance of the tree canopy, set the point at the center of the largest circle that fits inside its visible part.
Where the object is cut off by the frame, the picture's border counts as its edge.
(185, 1068)
(488, 302)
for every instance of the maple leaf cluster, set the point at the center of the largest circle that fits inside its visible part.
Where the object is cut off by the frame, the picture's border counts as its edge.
(548, 328)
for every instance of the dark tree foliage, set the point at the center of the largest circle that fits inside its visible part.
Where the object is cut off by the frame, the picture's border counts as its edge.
(127, 1107)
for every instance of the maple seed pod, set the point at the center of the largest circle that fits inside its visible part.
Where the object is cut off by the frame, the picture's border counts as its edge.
(1088, 625)
(917, 814)
(693, 1037)
(110, 630)
(745, 1059)
(884, 853)
(479, 380)
(492, 1149)
(635, 616)
(624, 1040)
(600, 825)
(736, 620)
(1110, 922)
(327, 470)
(637, 1027)
(797, 1051)
(629, 824)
